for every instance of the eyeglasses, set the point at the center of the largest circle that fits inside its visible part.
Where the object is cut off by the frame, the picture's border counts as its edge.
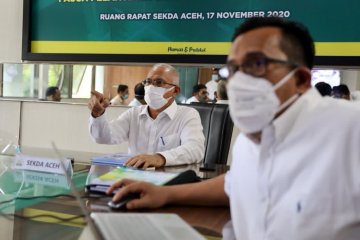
(158, 82)
(254, 64)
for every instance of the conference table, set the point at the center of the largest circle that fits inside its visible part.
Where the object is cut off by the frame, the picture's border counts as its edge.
(40, 205)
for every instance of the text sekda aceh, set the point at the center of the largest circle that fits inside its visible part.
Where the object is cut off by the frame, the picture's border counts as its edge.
(42, 164)
(150, 16)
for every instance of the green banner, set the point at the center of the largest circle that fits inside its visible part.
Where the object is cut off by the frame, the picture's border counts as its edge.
(75, 22)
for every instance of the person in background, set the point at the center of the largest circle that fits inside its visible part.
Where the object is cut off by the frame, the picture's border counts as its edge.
(159, 133)
(342, 91)
(212, 84)
(323, 88)
(122, 95)
(289, 178)
(53, 94)
(355, 96)
(221, 93)
(200, 94)
(139, 91)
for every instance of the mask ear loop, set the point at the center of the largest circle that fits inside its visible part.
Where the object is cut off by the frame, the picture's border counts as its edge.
(169, 90)
(282, 82)
(288, 102)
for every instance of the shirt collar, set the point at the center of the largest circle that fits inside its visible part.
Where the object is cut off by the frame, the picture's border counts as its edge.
(294, 114)
(170, 111)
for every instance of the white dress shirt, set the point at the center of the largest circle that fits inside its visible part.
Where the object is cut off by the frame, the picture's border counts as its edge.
(192, 99)
(222, 102)
(134, 103)
(211, 87)
(303, 180)
(176, 133)
(117, 100)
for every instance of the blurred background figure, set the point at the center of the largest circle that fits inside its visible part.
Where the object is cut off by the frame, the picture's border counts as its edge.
(212, 84)
(139, 91)
(341, 91)
(323, 88)
(200, 94)
(53, 94)
(355, 96)
(122, 95)
(221, 93)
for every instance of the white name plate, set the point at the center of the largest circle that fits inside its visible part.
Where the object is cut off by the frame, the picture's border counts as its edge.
(40, 164)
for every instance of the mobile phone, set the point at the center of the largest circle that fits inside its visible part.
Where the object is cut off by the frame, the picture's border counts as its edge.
(207, 167)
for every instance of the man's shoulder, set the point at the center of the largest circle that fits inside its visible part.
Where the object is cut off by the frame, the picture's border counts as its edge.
(185, 108)
(339, 106)
(192, 99)
(186, 111)
(337, 112)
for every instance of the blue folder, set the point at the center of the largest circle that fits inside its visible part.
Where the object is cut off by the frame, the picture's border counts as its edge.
(116, 159)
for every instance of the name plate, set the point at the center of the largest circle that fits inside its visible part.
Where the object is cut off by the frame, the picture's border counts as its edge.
(40, 164)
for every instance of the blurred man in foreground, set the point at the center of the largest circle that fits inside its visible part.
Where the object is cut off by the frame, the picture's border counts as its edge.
(288, 178)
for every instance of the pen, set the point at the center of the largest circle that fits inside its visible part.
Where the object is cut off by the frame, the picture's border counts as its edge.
(162, 140)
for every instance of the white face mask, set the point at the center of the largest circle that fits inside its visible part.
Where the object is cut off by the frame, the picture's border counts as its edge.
(253, 102)
(154, 96)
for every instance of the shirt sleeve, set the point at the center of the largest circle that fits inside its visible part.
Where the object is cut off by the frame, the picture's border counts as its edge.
(114, 132)
(192, 146)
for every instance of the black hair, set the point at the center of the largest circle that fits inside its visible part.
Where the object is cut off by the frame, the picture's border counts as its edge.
(139, 91)
(51, 91)
(341, 90)
(323, 88)
(296, 43)
(197, 88)
(122, 88)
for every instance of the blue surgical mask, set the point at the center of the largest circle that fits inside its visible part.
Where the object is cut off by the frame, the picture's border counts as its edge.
(125, 97)
(214, 77)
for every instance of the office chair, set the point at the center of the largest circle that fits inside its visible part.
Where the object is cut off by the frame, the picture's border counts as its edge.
(217, 128)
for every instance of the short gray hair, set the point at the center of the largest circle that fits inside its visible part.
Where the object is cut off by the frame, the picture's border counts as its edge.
(169, 69)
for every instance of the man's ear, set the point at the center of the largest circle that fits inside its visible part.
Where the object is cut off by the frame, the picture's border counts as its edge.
(303, 79)
(177, 90)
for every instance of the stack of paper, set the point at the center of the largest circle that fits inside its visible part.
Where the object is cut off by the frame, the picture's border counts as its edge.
(117, 159)
(101, 184)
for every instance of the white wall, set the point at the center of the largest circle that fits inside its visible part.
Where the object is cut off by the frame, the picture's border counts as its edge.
(11, 15)
(9, 122)
(65, 124)
(351, 78)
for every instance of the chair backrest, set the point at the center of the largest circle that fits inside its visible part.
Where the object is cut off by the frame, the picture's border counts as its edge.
(217, 128)
(221, 128)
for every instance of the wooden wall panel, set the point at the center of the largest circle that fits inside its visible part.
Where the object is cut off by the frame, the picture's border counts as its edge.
(128, 75)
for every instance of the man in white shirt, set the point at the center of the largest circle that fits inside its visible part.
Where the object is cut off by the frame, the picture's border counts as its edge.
(122, 95)
(138, 100)
(159, 134)
(295, 169)
(200, 94)
(212, 84)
